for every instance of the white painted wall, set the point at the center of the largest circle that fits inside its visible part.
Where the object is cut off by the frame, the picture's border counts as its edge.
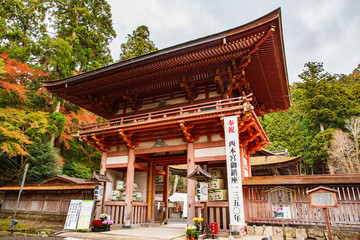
(209, 152)
(110, 186)
(140, 178)
(117, 159)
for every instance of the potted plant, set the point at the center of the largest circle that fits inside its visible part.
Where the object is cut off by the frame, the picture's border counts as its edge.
(103, 217)
(197, 223)
(191, 233)
(106, 224)
(96, 225)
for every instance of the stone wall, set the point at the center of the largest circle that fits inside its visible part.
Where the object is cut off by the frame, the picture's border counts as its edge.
(299, 233)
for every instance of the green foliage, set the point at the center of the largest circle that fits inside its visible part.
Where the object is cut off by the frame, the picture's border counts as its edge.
(76, 169)
(137, 44)
(58, 120)
(323, 99)
(22, 227)
(59, 36)
(43, 161)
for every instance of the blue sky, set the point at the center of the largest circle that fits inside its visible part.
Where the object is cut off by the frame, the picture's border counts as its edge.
(327, 31)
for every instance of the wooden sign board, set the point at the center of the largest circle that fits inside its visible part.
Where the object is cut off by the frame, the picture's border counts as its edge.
(280, 196)
(322, 197)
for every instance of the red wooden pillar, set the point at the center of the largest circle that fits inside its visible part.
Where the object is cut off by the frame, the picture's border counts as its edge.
(166, 192)
(103, 171)
(191, 184)
(129, 188)
(103, 162)
(152, 203)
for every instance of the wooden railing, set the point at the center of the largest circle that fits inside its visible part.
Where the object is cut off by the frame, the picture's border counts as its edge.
(346, 215)
(139, 212)
(116, 210)
(218, 212)
(190, 110)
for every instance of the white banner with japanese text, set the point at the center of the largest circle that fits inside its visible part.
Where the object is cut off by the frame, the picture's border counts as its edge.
(73, 214)
(233, 165)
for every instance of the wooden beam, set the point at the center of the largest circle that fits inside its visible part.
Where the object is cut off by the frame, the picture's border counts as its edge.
(141, 167)
(119, 165)
(145, 157)
(160, 172)
(160, 149)
(210, 159)
(117, 153)
(303, 180)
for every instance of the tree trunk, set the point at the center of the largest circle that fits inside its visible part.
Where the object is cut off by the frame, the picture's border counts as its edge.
(52, 139)
(357, 152)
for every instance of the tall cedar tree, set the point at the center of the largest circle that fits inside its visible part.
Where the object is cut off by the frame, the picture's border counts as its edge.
(137, 44)
(62, 36)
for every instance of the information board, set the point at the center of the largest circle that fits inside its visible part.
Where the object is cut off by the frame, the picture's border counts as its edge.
(323, 199)
(73, 215)
(85, 214)
(235, 194)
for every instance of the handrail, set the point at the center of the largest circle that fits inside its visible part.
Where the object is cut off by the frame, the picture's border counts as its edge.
(168, 113)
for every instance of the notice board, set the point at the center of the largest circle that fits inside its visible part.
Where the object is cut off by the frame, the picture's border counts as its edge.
(79, 214)
(87, 207)
(73, 214)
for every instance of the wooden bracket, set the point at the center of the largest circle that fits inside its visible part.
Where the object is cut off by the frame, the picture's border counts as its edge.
(219, 81)
(189, 87)
(128, 139)
(189, 137)
(237, 77)
(98, 142)
(133, 98)
(98, 145)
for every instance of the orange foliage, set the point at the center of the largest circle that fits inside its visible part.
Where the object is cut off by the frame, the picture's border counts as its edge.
(17, 75)
(72, 122)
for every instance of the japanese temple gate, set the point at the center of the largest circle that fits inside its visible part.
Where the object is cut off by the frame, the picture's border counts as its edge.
(167, 108)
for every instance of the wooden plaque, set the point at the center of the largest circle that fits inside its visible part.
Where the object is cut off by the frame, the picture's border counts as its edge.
(323, 197)
(280, 196)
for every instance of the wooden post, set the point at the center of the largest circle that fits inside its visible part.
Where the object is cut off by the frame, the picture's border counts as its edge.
(326, 216)
(129, 188)
(149, 191)
(166, 192)
(104, 197)
(21, 188)
(103, 163)
(191, 184)
(152, 203)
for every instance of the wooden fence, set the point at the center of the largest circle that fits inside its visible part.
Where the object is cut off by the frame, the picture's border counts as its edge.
(218, 212)
(259, 210)
(44, 202)
(116, 210)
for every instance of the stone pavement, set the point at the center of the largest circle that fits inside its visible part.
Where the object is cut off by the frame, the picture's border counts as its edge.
(168, 232)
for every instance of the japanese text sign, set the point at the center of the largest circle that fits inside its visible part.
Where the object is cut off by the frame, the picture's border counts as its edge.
(235, 194)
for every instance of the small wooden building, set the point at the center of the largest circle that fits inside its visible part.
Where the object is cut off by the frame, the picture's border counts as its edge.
(266, 163)
(52, 196)
(168, 107)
